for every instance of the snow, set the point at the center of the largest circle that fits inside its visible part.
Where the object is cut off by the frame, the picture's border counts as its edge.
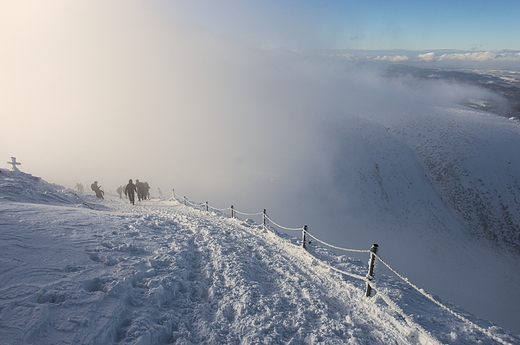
(437, 189)
(78, 270)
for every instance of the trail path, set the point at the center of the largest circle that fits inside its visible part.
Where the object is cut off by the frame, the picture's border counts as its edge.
(163, 273)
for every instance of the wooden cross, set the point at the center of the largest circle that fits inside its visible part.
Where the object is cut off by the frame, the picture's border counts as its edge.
(14, 163)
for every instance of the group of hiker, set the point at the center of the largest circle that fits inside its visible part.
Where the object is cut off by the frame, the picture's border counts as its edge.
(142, 189)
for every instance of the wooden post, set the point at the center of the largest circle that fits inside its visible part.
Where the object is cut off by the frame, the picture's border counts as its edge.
(207, 207)
(185, 201)
(232, 212)
(264, 219)
(371, 263)
(304, 237)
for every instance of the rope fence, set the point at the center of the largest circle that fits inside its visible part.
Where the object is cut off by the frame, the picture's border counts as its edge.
(283, 227)
(336, 247)
(369, 278)
(430, 297)
(248, 214)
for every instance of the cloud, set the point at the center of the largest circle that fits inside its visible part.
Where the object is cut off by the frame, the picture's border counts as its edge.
(428, 57)
(471, 56)
(392, 58)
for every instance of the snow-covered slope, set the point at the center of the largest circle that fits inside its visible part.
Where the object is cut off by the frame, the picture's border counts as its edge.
(472, 160)
(78, 271)
(445, 168)
(438, 189)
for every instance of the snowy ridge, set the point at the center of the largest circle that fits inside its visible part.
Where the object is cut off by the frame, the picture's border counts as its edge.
(381, 294)
(163, 273)
(17, 185)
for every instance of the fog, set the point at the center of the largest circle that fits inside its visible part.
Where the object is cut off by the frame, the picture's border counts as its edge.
(96, 90)
(101, 91)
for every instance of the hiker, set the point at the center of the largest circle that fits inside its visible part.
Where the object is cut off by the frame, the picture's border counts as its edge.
(97, 190)
(119, 191)
(140, 190)
(130, 190)
(146, 191)
(79, 186)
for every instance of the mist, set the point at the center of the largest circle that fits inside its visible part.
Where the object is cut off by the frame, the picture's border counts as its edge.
(101, 91)
(104, 91)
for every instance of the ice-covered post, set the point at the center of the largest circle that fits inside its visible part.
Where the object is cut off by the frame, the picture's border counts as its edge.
(232, 212)
(264, 219)
(14, 163)
(371, 264)
(185, 201)
(173, 193)
(304, 237)
(207, 207)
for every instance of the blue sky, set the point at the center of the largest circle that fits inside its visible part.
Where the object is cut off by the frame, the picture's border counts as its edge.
(398, 24)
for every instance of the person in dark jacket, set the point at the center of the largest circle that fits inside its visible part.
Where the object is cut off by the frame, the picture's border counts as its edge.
(130, 190)
(146, 191)
(140, 189)
(97, 189)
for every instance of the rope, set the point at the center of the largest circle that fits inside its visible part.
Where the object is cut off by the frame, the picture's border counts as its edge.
(194, 203)
(430, 297)
(330, 245)
(283, 227)
(219, 209)
(249, 214)
(353, 275)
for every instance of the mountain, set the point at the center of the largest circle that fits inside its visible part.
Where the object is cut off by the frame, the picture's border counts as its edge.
(437, 189)
(85, 271)
(503, 82)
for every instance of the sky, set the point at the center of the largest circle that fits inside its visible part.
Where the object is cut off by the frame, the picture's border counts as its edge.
(94, 90)
(372, 25)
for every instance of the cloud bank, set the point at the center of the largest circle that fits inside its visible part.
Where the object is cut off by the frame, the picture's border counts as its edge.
(472, 56)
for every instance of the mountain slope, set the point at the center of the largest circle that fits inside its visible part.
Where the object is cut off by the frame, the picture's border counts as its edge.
(471, 158)
(89, 272)
(439, 185)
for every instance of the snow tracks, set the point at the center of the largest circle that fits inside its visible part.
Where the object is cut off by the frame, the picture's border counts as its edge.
(162, 273)
(188, 277)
